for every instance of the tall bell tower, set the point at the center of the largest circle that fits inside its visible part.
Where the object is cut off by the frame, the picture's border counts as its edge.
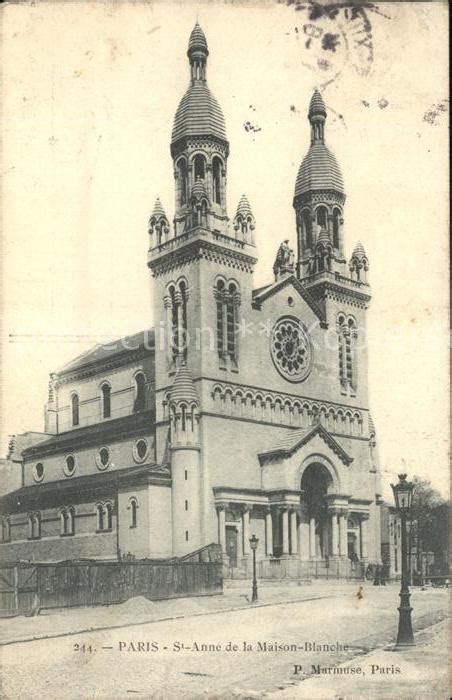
(341, 289)
(199, 149)
(203, 263)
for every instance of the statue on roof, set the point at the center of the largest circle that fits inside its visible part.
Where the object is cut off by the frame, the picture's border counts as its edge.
(285, 261)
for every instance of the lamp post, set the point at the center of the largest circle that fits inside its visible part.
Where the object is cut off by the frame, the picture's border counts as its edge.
(253, 544)
(403, 496)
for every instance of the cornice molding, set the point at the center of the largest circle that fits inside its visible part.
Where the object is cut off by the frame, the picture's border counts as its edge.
(190, 251)
(141, 423)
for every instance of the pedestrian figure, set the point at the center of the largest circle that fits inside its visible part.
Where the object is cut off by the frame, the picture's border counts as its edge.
(360, 594)
(377, 578)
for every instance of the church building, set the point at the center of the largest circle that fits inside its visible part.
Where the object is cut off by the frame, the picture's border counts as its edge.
(243, 411)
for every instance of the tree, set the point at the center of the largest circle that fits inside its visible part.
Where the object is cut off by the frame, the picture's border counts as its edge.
(429, 521)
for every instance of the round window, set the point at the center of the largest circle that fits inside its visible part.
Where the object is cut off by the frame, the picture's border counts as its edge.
(69, 466)
(38, 471)
(104, 456)
(291, 349)
(140, 450)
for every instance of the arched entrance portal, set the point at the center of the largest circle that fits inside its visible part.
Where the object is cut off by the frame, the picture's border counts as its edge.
(316, 483)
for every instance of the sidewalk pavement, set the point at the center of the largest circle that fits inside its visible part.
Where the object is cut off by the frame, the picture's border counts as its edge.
(139, 610)
(416, 673)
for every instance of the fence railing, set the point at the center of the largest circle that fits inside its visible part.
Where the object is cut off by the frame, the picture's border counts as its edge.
(25, 588)
(297, 569)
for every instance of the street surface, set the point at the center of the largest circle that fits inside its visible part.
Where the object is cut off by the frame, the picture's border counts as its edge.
(122, 662)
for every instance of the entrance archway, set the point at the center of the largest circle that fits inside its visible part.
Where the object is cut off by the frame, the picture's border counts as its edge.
(316, 483)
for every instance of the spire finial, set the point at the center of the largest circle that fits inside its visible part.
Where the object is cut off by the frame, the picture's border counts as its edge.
(197, 53)
(317, 116)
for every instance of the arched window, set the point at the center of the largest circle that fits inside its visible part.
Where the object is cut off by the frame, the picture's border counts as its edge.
(231, 321)
(322, 217)
(347, 335)
(75, 409)
(306, 224)
(109, 514)
(227, 300)
(67, 521)
(199, 167)
(133, 512)
(177, 319)
(106, 400)
(336, 227)
(140, 392)
(183, 337)
(221, 319)
(182, 181)
(34, 525)
(100, 517)
(6, 530)
(216, 174)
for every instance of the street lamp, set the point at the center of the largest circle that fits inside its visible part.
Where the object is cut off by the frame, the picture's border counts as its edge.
(254, 541)
(403, 496)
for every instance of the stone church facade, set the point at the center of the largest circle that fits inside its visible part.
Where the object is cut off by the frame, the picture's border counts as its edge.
(244, 411)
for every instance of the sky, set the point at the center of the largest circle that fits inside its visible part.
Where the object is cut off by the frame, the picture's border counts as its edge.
(88, 103)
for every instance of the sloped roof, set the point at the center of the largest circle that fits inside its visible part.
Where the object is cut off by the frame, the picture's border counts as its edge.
(294, 439)
(358, 251)
(243, 207)
(317, 105)
(197, 38)
(183, 388)
(142, 422)
(319, 170)
(158, 212)
(260, 295)
(101, 352)
(199, 114)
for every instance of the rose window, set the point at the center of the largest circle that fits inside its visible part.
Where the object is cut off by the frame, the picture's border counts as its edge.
(291, 349)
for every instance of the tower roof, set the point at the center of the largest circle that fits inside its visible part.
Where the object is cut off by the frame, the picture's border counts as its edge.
(158, 211)
(319, 170)
(243, 207)
(198, 190)
(198, 114)
(183, 388)
(358, 251)
(324, 237)
(197, 39)
(317, 105)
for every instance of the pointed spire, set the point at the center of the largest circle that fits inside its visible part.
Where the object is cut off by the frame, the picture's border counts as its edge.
(324, 237)
(158, 212)
(158, 223)
(244, 222)
(317, 116)
(317, 105)
(358, 251)
(198, 191)
(183, 388)
(197, 40)
(197, 54)
(243, 207)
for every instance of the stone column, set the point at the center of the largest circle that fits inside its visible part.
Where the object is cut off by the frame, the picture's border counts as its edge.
(312, 548)
(334, 535)
(285, 529)
(363, 538)
(268, 533)
(293, 532)
(221, 511)
(343, 534)
(246, 530)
